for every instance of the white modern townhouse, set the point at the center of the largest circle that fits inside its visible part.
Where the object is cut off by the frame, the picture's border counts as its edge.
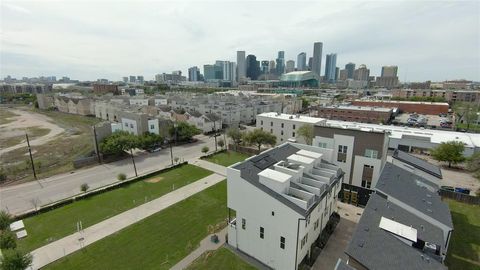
(279, 202)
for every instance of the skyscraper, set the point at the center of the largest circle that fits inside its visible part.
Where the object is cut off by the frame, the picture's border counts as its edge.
(330, 67)
(241, 66)
(253, 67)
(193, 74)
(362, 73)
(302, 61)
(389, 71)
(264, 67)
(271, 66)
(310, 60)
(280, 63)
(317, 58)
(229, 70)
(213, 72)
(290, 66)
(140, 79)
(350, 68)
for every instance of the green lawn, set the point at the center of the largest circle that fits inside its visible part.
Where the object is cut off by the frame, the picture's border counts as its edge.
(464, 248)
(222, 258)
(227, 158)
(55, 224)
(157, 242)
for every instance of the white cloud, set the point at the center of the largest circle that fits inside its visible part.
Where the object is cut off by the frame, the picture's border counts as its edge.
(89, 40)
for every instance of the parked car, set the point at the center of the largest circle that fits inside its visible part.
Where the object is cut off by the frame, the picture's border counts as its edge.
(462, 190)
(155, 149)
(449, 188)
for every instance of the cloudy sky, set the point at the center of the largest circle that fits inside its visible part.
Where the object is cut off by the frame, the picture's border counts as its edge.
(87, 40)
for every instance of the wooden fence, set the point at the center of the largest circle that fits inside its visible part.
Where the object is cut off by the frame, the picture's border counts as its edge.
(459, 197)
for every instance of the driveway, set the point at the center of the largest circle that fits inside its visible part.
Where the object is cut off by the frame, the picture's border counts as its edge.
(336, 245)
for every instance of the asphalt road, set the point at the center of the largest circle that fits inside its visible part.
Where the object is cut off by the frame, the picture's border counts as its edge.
(24, 197)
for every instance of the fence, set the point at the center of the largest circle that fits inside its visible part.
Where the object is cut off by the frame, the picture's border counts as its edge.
(459, 197)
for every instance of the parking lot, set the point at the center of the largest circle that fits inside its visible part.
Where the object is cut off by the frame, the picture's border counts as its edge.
(432, 120)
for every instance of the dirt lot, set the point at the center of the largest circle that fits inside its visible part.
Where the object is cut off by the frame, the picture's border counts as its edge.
(455, 177)
(25, 121)
(56, 139)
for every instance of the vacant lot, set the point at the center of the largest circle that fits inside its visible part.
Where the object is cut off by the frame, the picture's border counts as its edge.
(6, 116)
(55, 224)
(227, 158)
(69, 137)
(464, 249)
(157, 242)
(221, 258)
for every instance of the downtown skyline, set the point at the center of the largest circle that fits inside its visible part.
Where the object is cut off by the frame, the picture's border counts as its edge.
(82, 49)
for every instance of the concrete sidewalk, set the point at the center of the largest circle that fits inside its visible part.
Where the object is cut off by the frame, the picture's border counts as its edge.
(205, 245)
(219, 169)
(69, 244)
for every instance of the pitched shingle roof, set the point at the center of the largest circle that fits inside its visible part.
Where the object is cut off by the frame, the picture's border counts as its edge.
(415, 191)
(418, 163)
(375, 248)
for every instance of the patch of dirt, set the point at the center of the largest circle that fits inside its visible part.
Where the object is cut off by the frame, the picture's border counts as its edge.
(25, 119)
(154, 179)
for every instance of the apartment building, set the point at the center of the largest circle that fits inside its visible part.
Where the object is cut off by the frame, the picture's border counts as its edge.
(406, 221)
(450, 95)
(362, 114)
(360, 153)
(416, 165)
(25, 88)
(101, 89)
(292, 192)
(205, 122)
(285, 126)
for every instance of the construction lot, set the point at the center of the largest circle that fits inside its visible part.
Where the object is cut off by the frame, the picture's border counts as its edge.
(56, 140)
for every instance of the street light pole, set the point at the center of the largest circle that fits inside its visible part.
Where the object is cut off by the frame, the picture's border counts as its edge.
(171, 139)
(31, 157)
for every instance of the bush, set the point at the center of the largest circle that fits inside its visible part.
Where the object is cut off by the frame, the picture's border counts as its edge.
(8, 240)
(5, 220)
(3, 176)
(121, 176)
(84, 187)
(205, 149)
(14, 259)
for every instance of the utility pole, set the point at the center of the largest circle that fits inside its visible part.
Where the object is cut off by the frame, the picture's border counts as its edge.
(31, 157)
(133, 161)
(171, 139)
(96, 144)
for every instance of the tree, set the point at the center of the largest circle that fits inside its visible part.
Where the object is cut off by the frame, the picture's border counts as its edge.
(149, 140)
(14, 259)
(221, 143)
(119, 142)
(8, 240)
(305, 103)
(259, 137)
(451, 152)
(3, 175)
(5, 220)
(236, 135)
(473, 164)
(205, 149)
(84, 187)
(183, 132)
(466, 112)
(306, 132)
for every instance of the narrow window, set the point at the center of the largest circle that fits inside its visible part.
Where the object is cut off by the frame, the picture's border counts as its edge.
(294, 126)
(262, 232)
(244, 223)
(282, 125)
(273, 213)
(282, 242)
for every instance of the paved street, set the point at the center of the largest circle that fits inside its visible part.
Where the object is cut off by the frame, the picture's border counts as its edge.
(69, 244)
(21, 198)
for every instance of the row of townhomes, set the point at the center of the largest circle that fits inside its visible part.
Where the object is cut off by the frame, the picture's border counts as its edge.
(293, 191)
(139, 113)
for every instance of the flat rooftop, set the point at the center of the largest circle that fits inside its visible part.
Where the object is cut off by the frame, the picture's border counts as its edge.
(292, 117)
(359, 108)
(403, 102)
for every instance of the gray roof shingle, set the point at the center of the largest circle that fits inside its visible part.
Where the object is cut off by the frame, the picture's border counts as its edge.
(414, 191)
(376, 248)
(418, 163)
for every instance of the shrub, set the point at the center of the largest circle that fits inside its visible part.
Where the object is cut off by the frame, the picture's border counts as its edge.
(84, 187)
(121, 176)
(8, 240)
(5, 220)
(14, 259)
